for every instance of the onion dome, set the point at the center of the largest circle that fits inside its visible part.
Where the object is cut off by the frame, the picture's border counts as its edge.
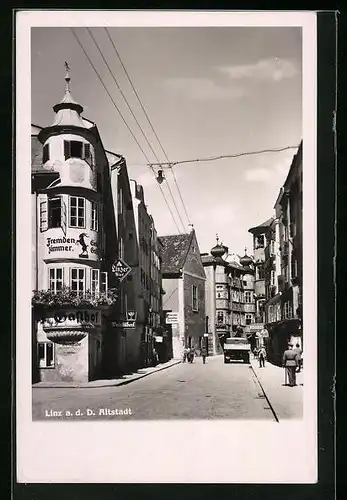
(218, 251)
(246, 260)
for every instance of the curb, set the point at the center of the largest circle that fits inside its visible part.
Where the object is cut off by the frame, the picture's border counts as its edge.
(116, 384)
(265, 395)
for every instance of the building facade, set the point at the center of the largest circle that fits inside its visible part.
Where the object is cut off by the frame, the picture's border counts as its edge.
(72, 257)
(149, 280)
(284, 301)
(184, 286)
(229, 296)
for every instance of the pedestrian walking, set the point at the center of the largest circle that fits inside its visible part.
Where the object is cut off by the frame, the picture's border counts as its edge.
(298, 351)
(290, 364)
(262, 357)
(204, 354)
(185, 354)
(255, 353)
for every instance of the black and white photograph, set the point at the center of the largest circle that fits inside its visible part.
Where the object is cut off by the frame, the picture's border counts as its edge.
(169, 179)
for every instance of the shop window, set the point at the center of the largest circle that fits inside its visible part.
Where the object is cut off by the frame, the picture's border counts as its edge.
(45, 153)
(95, 216)
(95, 282)
(45, 354)
(248, 319)
(77, 212)
(77, 279)
(195, 304)
(56, 279)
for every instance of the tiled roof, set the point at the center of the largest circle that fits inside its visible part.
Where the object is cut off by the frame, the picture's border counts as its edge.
(174, 253)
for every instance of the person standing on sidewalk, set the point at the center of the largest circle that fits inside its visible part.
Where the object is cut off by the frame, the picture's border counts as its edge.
(262, 357)
(290, 364)
(203, 354)
(298, 351)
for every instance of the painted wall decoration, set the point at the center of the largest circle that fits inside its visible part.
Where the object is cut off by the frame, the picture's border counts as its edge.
(76, 244)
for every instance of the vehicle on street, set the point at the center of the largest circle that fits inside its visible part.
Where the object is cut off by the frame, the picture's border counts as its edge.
(237, 348)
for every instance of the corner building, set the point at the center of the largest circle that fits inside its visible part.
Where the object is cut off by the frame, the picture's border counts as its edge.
(72, 251)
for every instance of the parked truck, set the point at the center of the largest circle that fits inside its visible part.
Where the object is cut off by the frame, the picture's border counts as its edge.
(237, 348)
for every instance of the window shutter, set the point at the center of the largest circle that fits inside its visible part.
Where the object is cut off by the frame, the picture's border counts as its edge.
(43, 215)
(45, 155)
(87, 152)
(63, 220)
(67, 149)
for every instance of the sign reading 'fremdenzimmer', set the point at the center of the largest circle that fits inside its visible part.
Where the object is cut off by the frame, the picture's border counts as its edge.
(83, 246)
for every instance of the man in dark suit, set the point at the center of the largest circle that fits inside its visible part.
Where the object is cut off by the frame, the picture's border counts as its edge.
(290, 363)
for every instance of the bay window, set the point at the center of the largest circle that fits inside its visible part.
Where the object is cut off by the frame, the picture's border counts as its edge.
(95, 216)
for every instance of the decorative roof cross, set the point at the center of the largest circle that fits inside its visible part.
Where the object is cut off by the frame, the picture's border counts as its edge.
(67, 76)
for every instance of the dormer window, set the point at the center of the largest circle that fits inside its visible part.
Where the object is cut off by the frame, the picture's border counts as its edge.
(77, 149)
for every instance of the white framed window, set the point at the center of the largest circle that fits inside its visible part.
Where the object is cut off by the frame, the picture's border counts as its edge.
(287, 310)
(272, 278)
(248, 297)
(195, 301)
(77, 212)
(95, 282)
(248, 319)
(272, 247)
(103, 282)
(55, 276)
(94, 216)
(53, 214)
(78, 280)
(45, 354)
(220, 316)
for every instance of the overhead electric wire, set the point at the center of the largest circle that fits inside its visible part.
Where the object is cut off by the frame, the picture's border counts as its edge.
(213, 158)
(133, 114)
(148, 119)
(125, 122)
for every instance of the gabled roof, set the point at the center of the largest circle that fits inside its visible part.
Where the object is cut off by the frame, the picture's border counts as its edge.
(174, 253)
(262, 226)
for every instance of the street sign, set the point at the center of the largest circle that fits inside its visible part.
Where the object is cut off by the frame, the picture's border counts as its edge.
(121, 269)
(124, 324)
(171, 318)
(131, 315)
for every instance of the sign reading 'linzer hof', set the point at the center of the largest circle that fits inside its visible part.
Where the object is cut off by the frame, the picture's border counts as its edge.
(82, 246)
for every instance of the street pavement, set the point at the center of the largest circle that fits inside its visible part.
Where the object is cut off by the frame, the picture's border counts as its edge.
(183, 391)
(286, 401)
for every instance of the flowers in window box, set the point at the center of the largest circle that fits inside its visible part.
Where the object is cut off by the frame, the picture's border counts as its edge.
(70, 298)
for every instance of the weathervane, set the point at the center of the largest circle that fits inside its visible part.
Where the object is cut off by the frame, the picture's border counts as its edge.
(67, 76)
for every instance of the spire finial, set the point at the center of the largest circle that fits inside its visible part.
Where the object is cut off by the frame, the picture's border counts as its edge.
(67, 76)
(245, 250)
(217, 238)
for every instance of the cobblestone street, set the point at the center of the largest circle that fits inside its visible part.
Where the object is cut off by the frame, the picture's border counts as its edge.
(184, 391)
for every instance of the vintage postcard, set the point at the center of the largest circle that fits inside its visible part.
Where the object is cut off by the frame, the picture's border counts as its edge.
(166, 323)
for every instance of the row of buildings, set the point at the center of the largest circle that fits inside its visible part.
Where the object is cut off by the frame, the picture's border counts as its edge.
(278, 280)
(108, 291)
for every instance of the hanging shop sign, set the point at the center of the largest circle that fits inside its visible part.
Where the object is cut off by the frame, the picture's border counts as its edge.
(131, 315)
(121, 269)
(75, 244)
(89, 318)
(124, 324)
(171, 318)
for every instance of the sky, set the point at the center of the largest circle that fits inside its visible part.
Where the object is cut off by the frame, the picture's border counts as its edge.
(208, 91)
